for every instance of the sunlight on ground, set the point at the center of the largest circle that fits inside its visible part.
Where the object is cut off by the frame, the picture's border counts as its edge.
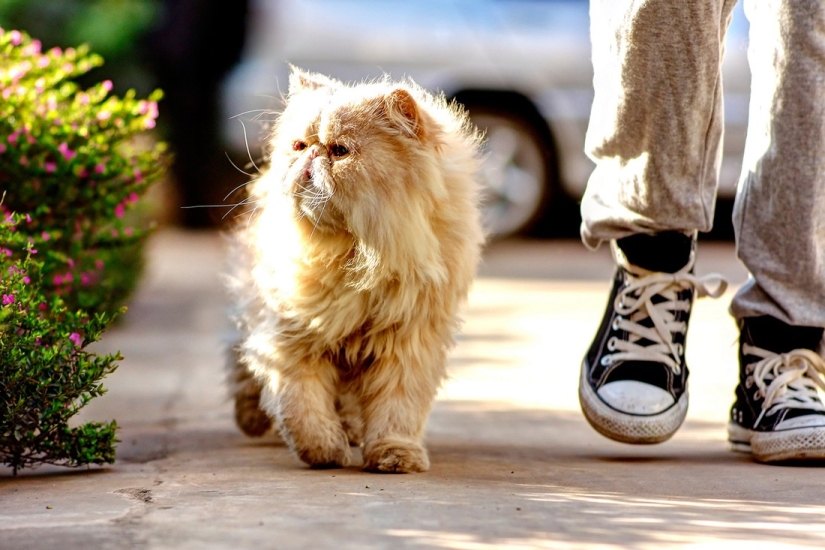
(523, 342)
(609, 521)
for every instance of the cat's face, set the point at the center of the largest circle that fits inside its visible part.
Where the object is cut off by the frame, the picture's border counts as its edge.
(347, 154)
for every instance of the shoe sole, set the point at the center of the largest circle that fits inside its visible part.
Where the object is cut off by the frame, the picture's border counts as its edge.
(629, 428)
(795, 444)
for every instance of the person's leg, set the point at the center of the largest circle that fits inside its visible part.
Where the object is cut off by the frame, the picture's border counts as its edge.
(779, 219)
(656, 125)
(655, 134)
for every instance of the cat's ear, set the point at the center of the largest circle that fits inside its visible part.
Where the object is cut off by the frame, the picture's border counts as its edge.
(300, 79)
(404, 113)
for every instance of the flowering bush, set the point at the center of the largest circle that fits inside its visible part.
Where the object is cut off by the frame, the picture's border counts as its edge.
(45, 374)
(68, 159)
(73, 165)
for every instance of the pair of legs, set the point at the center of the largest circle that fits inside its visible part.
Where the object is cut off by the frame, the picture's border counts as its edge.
(656, 134)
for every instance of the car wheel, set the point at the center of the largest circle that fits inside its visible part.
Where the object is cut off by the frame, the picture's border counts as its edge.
(517, 172)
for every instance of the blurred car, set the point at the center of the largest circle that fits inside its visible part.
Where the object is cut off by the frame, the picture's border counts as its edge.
(521, 67)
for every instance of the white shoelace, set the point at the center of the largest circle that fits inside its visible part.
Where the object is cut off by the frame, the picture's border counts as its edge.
(632, 310)
(786, 380)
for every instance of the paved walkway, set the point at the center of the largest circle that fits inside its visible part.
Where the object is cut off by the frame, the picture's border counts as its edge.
(514, 464)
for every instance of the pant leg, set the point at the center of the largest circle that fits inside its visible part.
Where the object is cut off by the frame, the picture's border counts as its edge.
(779, 213)
(656, 125)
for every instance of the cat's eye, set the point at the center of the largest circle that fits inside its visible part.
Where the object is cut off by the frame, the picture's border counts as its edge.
(298, 146)
(338, 150)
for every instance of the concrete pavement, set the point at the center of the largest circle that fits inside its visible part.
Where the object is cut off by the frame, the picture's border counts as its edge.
(514, 464)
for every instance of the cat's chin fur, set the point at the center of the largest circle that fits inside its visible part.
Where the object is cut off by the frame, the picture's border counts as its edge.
(349, 276)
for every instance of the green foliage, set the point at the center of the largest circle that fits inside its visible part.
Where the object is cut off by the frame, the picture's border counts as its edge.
(113, 29)
(73, 165)
(69, 159)
(46, 376)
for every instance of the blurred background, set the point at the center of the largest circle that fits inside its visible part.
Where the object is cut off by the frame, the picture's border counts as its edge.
(521, 67)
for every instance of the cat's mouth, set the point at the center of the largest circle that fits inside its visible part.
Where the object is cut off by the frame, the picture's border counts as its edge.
(317, 207)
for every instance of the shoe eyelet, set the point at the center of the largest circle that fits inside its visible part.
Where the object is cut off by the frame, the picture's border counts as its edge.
(680, 349)
(616, 321)
(611, 344)
(749, 382)
(757, 395)
(606, 360)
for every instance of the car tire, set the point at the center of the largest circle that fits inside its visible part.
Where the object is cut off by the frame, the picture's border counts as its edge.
(518, 171)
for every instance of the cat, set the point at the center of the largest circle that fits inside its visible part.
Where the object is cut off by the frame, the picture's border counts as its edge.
(349, 275)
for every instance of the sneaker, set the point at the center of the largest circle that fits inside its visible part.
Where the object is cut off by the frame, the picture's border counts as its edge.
(633, 385)
(778, 414)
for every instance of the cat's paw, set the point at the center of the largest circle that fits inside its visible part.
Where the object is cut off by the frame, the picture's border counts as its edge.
(395, 456)
(328, 449)
(250, 418)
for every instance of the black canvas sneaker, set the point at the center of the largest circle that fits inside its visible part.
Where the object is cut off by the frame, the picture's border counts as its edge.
(778, 414)
(633, 385)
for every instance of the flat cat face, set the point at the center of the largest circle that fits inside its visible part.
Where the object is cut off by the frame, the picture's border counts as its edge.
(347, 155)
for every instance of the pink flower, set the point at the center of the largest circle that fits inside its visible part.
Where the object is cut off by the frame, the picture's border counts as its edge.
(104, 115)
(15, 38)
(67, 153)
(26, 280)
(132, 198)
(120, 210)
(57, 280)
(2, 147)
(99, 168)
(75, 337)
(24, 161)
(13, 137)
(8, 299)
(43, 62)
(107, 85)
(50, 167)
(99, 264)
(33, 48)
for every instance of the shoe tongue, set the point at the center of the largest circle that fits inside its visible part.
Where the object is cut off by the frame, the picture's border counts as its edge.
(666, 252)
(773, 335)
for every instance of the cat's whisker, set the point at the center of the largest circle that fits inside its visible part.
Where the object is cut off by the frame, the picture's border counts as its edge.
(188, 207)
(243, 202)
(237, 168)
(259, 111)
(241, 186)
(314, 227)
(246, 142)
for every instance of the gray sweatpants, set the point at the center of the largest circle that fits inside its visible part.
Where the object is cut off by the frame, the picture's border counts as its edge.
(656, 133)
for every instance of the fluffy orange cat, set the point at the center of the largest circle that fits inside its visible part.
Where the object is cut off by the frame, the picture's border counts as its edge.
(350, 273)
